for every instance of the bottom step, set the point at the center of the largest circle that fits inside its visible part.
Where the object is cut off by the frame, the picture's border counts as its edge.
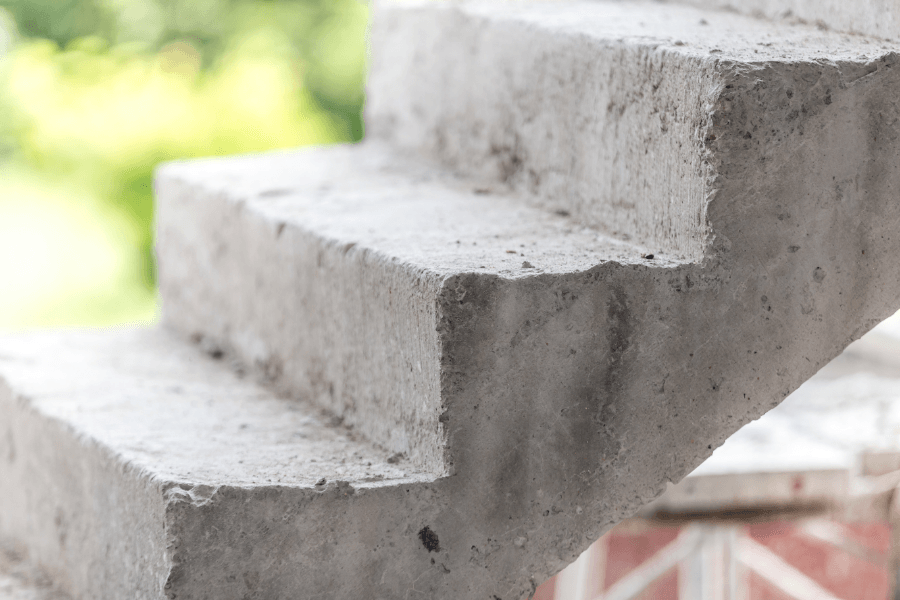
(19, 580)
(134, 466)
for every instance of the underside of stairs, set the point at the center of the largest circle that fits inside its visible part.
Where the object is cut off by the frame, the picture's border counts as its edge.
(583, 243)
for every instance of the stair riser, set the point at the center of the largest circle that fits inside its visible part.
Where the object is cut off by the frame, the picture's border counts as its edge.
(322, 320)
(94, 523)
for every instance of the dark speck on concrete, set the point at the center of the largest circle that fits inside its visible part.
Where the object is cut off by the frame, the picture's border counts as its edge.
(429, 539)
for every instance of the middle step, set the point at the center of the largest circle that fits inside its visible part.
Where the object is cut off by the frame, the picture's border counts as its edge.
(365, 286)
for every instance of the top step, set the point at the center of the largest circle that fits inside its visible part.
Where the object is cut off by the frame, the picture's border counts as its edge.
(879, 18)
(624, 114)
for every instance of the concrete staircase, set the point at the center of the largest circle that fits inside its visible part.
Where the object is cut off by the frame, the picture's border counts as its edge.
(583, 243)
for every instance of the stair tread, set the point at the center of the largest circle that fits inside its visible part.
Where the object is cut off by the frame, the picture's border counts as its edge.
(174, 412)
(855, 18)
(689, 30)
(370, 196)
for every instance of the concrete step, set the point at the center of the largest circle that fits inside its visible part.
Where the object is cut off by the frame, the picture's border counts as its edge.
(647, 120)
(134, 466)
(340, 274)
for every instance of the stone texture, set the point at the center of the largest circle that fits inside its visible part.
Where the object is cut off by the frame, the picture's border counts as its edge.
(586, 243)
(566, 375)
(134, 466)
(878, 18)
(608, 110)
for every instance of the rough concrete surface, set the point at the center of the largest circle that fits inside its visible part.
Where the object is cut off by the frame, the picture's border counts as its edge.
(135, 466)
(633, 240)
(617, 112)
(832, 445)
(848, 410)
(754, 162)
(878, 18)
(330, 282)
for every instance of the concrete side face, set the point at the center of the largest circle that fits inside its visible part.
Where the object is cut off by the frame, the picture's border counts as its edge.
(279, 542)
(572, 401)
(609, 132)
(320, 320)
(93, 523)
(807, 185)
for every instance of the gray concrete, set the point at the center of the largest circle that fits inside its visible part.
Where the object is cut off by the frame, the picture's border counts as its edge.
(134, 466)
(878, 18)
(566, 377)
(833, 444)
(331, 270)
(586, 242)
(617, 112)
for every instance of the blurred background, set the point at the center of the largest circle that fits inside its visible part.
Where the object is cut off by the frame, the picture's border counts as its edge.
(94, 94)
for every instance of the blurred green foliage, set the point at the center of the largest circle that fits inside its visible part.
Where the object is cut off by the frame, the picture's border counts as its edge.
(95, 93)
